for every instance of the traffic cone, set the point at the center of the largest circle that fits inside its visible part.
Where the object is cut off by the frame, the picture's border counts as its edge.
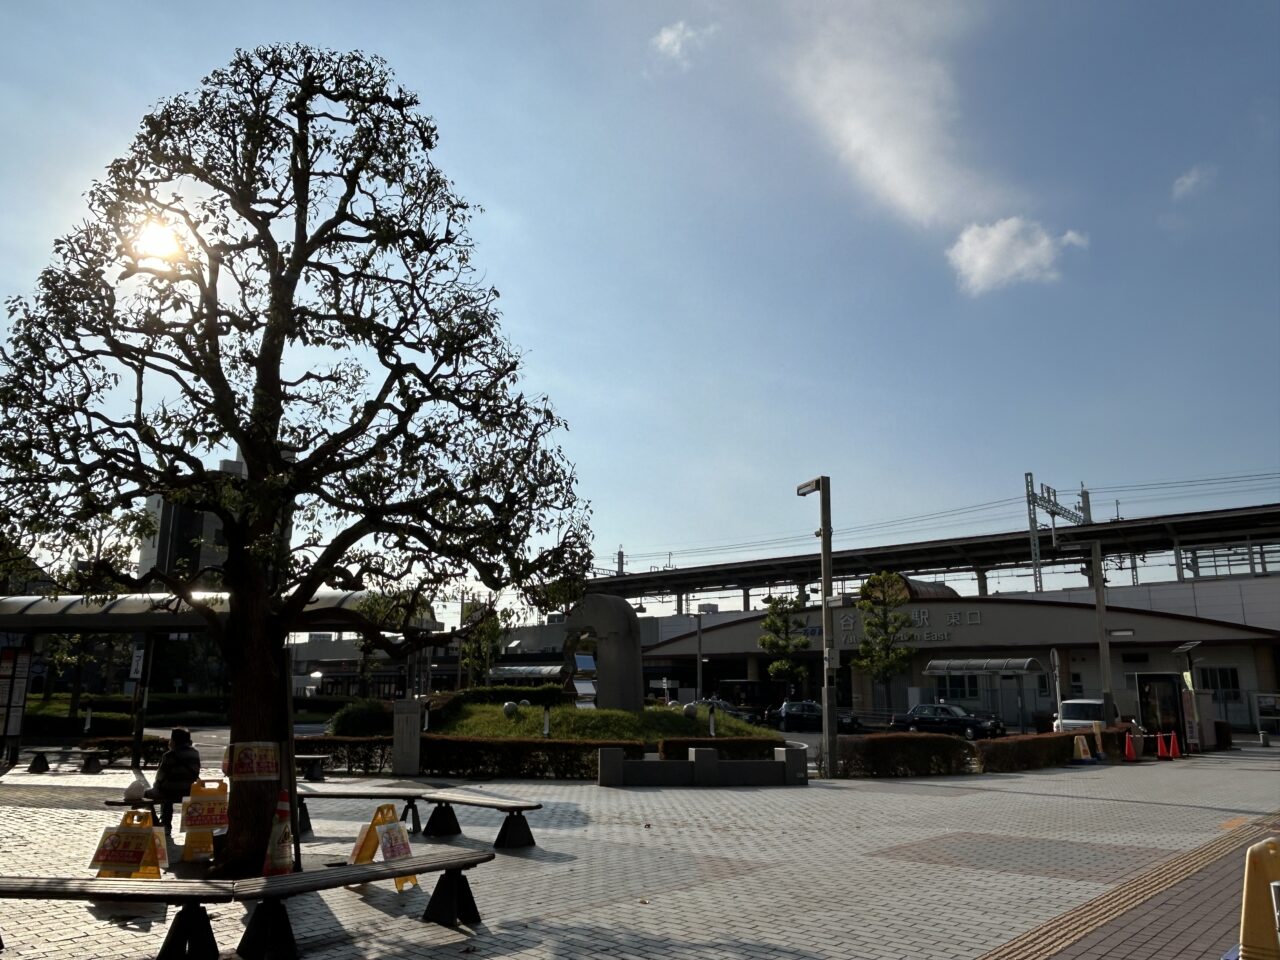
(1162, 752)
(279, 856)
(1129, 755)
(1174, 752)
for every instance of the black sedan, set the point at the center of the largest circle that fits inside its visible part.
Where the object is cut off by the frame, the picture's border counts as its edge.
(807, 715)
(948, 718)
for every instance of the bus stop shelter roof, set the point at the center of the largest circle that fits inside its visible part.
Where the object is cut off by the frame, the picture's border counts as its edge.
(937, 668)
(127, 613)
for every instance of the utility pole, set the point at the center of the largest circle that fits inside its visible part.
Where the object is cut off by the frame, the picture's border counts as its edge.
(1104, 646)
(1047, 500)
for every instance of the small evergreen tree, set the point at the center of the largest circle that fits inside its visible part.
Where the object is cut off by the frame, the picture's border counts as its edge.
(783, 638)
(882, 652)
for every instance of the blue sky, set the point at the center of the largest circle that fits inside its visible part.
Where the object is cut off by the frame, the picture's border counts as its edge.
(919, 248)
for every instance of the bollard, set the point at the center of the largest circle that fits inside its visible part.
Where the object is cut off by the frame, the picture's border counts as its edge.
(1258, 938)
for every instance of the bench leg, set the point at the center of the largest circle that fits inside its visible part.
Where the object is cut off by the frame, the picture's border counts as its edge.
(269, 934)
(304, 816)
(39, 763)
(190, 937)
(314, 771)
(411, 807)
(91, 764)
(443, 822)
(514, 833)
(451, 902)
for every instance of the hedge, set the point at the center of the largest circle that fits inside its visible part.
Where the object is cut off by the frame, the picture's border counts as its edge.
(43, 726)
(730, 748)
(357, 754)
(903, 755)
(153, 748)
(528, 758)
(1038, 750)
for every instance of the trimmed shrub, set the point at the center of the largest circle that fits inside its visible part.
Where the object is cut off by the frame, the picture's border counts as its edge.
(730, 748)
(117, 748)
(43, 726)
(1031, 751)
(354, 754)
(531, 759)
(903, 755)
(361, 718)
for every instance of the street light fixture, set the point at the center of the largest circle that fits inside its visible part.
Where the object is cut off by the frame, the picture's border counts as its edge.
(822, 486)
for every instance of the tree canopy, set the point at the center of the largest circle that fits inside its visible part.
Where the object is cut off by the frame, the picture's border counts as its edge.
(882, 653)
(783, 637)
(277, 268)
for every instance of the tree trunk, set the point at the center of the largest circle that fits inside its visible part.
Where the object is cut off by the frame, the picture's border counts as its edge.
(888, 695)
(258, 667)
(77, 683)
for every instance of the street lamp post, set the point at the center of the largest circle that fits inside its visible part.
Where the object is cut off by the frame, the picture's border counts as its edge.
(822, 486)
(697, 693)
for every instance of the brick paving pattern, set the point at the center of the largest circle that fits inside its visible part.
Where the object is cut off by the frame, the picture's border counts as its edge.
(838, 870)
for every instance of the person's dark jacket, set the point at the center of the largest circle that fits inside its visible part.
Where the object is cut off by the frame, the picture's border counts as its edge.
(179, 769)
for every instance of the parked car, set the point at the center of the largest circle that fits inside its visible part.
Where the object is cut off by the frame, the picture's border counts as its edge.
(807, 715)
(1080, 714)
(948, 718)
(743, 713)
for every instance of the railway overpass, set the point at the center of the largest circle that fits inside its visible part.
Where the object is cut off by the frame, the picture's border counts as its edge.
(1252, 531)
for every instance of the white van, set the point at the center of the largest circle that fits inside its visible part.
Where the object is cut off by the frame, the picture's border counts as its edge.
(1080, 714)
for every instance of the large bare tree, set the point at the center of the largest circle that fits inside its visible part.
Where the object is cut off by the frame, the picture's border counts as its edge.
(277, 266)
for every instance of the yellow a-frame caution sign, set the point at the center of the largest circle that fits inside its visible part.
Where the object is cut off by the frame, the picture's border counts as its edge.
(203, 812)
(135, 850)
(384, 832)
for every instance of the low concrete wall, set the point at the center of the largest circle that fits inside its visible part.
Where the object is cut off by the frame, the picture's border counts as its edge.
(704, 768)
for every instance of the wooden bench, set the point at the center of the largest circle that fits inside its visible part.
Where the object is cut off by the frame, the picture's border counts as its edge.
(513, 833)
(269, 929)
(408, 797)
(311, 765)
(190, 935)
(443, 822)
(90, 759)
(143, 804)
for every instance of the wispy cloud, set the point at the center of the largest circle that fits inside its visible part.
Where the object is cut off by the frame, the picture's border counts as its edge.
(1193, 181)
(678, 42)
(877, 82)
(1012, 250)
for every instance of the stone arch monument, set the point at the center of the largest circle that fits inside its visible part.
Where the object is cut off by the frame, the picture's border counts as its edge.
(616, 629)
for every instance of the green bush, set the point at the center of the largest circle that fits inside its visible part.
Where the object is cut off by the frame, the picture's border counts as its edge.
(366, 755)
(531, 759)
(361, 718)
(730, 748)
(903, 755)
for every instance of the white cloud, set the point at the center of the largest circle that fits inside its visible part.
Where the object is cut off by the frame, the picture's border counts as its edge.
(1012, 250)
(876, 81)
(1193, 181)
(678, 41)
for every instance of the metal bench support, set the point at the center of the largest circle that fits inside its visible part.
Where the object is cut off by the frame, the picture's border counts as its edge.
(514, 832)
(411, 807)
(443, 822)
(190, 937)
(39, 763)
(451, 902)
(269, 930)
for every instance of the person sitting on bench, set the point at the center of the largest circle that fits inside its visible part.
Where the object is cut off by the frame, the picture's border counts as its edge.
(179, 769)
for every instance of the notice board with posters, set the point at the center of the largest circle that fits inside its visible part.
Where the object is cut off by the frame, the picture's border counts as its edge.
(15, 676)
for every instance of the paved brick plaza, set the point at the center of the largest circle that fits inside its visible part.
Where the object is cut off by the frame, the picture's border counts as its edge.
(939, 868)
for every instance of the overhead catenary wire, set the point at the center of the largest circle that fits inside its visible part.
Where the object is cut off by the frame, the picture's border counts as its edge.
(995, 511)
